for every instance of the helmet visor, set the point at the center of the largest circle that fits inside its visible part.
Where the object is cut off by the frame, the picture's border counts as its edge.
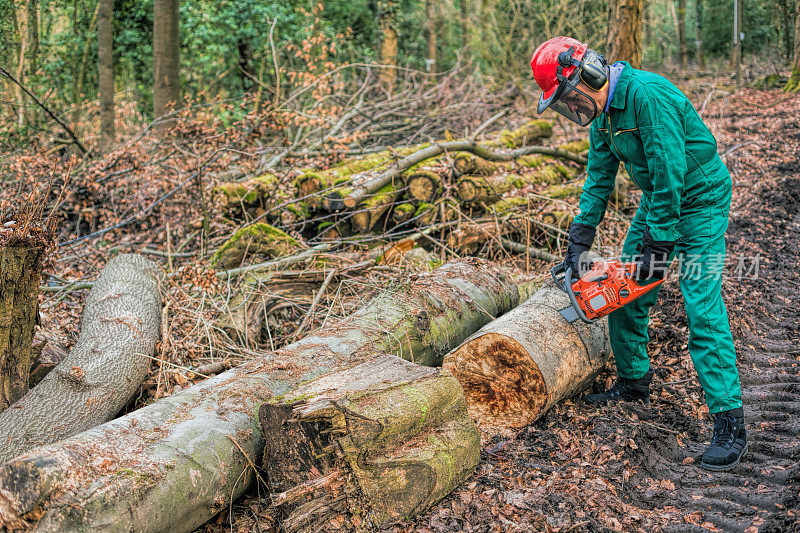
(575, 105)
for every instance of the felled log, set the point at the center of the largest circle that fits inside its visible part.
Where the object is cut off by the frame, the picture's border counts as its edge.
(258, 195)
(374, 209)
(121, 321)
(176, 463)
(20, 275)
(424, 186)
(470, 163)
(403, 212)
(518, 366)
(260, 238)
(377, 442)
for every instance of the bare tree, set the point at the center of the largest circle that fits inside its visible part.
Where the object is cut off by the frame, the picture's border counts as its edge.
(430, 27)
(105, 71)
(166, 64)
(624, 39)
(387, 20)
(794, 80)
(701, 57)
(682, 33)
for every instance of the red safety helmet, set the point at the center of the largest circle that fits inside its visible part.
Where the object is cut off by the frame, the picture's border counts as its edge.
(559, 66)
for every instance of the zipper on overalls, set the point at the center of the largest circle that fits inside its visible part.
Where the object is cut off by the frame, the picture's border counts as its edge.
(612, 135)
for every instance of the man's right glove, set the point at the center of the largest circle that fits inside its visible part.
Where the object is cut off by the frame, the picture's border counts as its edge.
(581, 237)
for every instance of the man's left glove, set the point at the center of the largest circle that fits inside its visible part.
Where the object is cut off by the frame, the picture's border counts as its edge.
(653, 263)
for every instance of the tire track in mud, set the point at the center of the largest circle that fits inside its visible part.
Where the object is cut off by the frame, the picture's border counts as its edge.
(758, 494)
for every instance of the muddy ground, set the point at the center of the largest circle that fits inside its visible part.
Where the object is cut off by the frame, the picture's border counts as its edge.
(634, 467)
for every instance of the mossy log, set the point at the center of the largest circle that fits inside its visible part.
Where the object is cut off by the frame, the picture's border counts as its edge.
(424, 186)
(20, 275)
(174, 464)
(525, 135)
(374, 209)
(518, 366)
(378, 442)
(121, 322)
(259, 238)
(403, 212)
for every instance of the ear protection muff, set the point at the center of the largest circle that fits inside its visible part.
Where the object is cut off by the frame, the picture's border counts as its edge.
(593, 70)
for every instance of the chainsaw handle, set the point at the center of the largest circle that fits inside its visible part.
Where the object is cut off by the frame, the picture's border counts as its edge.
(571, 294)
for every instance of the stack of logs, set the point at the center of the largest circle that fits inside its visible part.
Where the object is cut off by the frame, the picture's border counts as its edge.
(462, 187)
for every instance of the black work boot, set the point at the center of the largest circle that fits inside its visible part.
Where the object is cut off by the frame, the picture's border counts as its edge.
(626, 390)
(728, 443)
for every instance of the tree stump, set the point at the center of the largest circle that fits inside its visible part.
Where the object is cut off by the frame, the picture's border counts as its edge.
(20, 273)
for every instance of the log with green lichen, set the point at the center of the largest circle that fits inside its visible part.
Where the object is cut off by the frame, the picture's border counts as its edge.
(525, 135)
(176, 463)
(477, 190)
(378, 442)
(403, 212)
(257, 239)
(254, 197)
(374, 209)
(424, 186)
(470, 163)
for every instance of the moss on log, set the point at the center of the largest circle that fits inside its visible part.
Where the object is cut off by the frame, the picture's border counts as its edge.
(525, 135)
(259, 238)
(20, 275)
(520, 365)
(176, 463)
(403, 212)
(374, 209)
(395, 435)
(424, 186)
(121, 321)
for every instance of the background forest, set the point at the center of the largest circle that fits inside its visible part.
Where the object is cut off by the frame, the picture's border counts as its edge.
(228, 49)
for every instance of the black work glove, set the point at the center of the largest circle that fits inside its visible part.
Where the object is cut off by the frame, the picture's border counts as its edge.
(653, 263)
(581, 237)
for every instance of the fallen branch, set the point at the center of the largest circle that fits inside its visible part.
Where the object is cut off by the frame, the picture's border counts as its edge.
(394, 171)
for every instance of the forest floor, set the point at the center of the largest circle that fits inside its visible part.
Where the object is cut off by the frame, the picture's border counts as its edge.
(634, 467)
(629, 467)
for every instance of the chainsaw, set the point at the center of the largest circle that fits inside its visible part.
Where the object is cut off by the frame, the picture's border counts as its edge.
(607, 286)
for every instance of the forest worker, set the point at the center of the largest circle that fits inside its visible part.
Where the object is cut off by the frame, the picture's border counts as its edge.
(644, 121)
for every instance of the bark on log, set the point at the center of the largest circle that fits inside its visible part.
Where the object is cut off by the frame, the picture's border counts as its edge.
(20, 274)
(377, 442)
(518, 366)
(424, 186)
(121, 321)
(476, 190)
(176, 463)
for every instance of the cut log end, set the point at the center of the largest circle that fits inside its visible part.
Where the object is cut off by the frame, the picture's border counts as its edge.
(500, 382)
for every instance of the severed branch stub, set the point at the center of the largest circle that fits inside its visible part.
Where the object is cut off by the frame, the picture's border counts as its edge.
(378, 442)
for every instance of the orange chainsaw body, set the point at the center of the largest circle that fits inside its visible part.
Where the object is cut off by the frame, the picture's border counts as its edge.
(606, 287)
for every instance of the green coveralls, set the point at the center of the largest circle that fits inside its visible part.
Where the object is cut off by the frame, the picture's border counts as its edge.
(672, 156)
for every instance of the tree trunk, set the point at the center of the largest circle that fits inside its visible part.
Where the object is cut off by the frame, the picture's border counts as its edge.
(27, 18)
(105, 71)
(176, 463)
(794, 80)
(372, 211)
(387, 20)
(166, 65)
(517, 367)
(682, 33)
(701, 57)
(624, 41)
(430, 33)
(121, 321)
(20, 275)
(374, 443)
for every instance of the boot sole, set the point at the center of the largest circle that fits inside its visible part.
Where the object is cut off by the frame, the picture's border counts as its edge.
(723, 468)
